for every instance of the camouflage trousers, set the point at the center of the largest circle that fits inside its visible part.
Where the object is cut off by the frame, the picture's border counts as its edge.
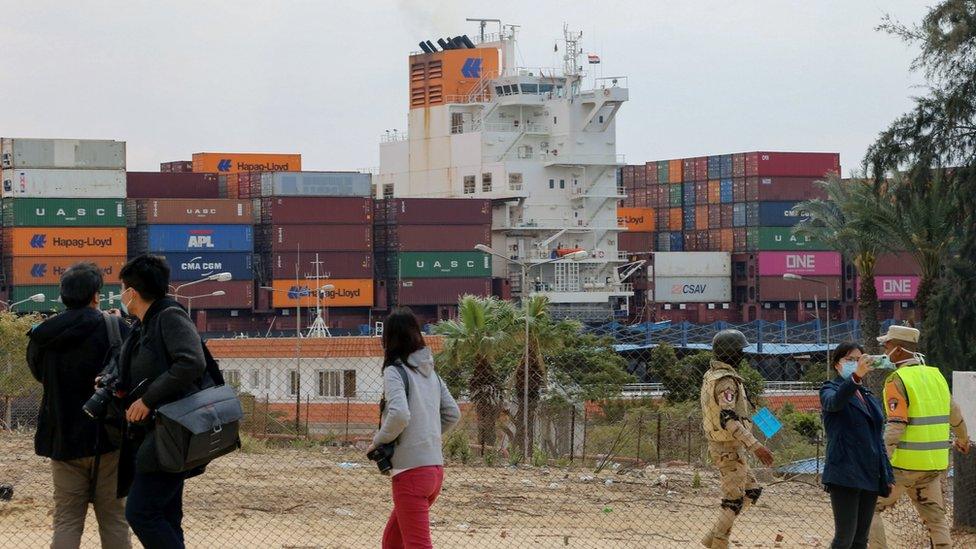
(924, 489)
(739, 490)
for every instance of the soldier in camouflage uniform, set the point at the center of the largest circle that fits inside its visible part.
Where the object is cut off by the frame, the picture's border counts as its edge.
(726, 417)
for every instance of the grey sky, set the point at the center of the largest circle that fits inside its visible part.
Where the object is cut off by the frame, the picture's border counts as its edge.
(327, 78)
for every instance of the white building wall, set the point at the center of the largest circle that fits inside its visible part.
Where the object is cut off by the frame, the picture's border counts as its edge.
(274, 377)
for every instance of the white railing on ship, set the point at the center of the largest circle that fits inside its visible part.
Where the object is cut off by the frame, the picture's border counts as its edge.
(530, 127)
(610, 82)
(393, 137)
(772, 388)
(571, 158)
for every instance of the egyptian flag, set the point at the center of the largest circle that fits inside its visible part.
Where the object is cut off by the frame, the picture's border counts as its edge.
(593, 59)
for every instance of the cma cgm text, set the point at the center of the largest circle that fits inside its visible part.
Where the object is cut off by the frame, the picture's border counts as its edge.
(83, 242)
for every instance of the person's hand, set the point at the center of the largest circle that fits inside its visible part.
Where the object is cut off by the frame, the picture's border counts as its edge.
(137, 412)
(961, 445)
(764, 455)
(97, 379)
(863, 366)
(115, 312)
(371, 447)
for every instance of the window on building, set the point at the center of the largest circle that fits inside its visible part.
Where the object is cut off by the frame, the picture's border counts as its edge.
(553, 120)
(601, 119)
(255, 379)
(552, 183)
(515, 182)
(469, 184)
(388, 190)
(457, 122)
(545, 88)
(330, 383)
(498, 90)
(486, 182)
(562, 183)
(530, 88)
(232, 378)
(267, 379)
(293, 382)
(349, 383)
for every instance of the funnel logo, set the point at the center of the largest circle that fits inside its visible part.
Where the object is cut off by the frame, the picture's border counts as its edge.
(38, 270)
(298, 292)
(38, 241)
(224, 165)
(471, 67)
(200, 239)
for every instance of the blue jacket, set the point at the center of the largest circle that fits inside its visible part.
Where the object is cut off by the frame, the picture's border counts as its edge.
(856, 455)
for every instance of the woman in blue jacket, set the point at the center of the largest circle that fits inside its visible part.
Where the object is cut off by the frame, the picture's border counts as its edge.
(857, 469)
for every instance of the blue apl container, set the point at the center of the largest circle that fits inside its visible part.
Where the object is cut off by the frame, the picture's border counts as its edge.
(778, 214)
(201, 238)
(725, 191)
(725, 166)
(714, 167)
(204, 264)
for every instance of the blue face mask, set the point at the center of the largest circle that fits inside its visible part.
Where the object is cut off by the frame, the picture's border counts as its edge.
(847, 368)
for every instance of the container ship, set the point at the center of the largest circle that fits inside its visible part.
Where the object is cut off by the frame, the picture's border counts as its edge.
(539, 144)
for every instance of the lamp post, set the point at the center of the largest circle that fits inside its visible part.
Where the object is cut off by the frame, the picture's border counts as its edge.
(796, 277)
(525, 266)
(36, 298)
(189, 299)
(216, 277)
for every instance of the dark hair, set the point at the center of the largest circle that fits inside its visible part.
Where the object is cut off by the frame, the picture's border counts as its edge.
(401, 336)
(841, 351)
(148, 275)
(80, 284)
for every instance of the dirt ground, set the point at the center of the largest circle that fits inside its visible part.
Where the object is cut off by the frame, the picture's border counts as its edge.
(324, 497)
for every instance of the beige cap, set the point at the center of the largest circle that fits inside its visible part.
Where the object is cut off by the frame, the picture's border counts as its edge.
(901, 333)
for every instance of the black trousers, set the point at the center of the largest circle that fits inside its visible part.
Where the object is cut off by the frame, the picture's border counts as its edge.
(154, 510)
(853, 510)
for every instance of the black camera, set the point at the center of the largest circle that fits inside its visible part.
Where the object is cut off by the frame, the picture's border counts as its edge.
(97, 405)
(382, 455)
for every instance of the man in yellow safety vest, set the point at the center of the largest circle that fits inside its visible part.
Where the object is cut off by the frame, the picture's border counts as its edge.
(921, 414)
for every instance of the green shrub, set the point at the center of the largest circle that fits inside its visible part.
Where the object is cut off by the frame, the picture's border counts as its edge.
(490, 457)
(457, 446)
(539, 457)
(251, 445)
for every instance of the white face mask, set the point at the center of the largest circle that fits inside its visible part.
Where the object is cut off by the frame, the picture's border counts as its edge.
(916, 357)
(123, 306)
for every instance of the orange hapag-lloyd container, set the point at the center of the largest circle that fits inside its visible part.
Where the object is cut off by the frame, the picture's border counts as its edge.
(637, 220)
(348, 292)
(246, 162)
(48, 270)
(65, 241)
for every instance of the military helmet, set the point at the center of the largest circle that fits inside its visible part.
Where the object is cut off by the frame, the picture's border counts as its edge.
(728, 341)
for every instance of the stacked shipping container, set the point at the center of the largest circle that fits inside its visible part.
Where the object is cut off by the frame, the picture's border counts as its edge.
(63, 203)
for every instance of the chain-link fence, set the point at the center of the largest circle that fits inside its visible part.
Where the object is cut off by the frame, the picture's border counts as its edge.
(618, 457)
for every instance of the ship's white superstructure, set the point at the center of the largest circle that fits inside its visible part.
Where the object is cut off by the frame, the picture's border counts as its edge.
(540, 143)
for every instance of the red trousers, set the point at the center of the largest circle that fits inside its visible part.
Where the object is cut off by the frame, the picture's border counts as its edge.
(414, 491)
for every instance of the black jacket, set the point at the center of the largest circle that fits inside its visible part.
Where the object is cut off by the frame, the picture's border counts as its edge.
(65, 353)
(161, 361)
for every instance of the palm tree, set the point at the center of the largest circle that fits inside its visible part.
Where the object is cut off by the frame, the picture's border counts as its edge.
(842, 223)
(546, 337)
(473, 343)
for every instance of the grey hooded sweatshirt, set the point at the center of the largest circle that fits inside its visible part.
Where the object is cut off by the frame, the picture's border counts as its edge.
(420, 424)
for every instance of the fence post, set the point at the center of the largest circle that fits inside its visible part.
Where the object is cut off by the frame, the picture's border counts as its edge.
(267, 413)
(307, 406)
(585, 424)
(348, 404)
(688, 429)
(658, 445)
(640, 432)
(572, 433)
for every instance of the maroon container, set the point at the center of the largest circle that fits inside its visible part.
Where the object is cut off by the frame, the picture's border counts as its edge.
(437, 238)
(333, 238)
(180, 211)
(691, 241)
(795, 164)
(739, 189)
(439, 291)
(640, 199)
(777, 288)
(739, 240)
(715, 240)
(636, 243)
(715, 216)
(281, 266)
(438, 211)
(701, 168)
(752, 189)
(663, 196)
(896, 264)
(239, 294)
(784, 188)
(651, 170)
(170, 185)
(727, 216)
(501, 288)
(701, 192)
(640, 177)
(177, 166)
(353, 210)
(738, 165)
(661, 216)
(688, 169)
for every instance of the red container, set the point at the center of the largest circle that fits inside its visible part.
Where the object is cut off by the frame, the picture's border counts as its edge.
(784, 189)
(896, 264)
(777, 288)
(333, 238)
(437, 238)
(651, 170)
(661, 217)
(439, 291)
(701, 168)
(640, 177)
(701, 218)
(281, 266)
(438, 211)
(636, 243)
(239, 294)
(171, 185)
(320, 210)
(739, 165)
(739, 189)
(752, 189)
(715, 216)
(727, 216)
(640, 199)
(701, 192)
(688, 169)
(795, 164)
(691, 242)
(501, 288)
(177, 166)
(180, 211)
(739, 239)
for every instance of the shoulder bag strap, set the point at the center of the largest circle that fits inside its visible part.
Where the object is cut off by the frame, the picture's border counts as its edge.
(406, 387)
(114, 332)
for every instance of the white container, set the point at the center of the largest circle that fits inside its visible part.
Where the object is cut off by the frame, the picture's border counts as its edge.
(73, 154)
(693, 264)
(315, 184)
(693, 289)
(63, 183)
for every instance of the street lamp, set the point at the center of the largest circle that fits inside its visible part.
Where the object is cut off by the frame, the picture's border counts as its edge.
(189, 299)
(572, 256)
(796, 277)
(216, 277)
(36, 298)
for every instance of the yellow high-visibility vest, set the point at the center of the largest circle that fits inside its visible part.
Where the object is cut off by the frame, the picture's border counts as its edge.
(925, 444)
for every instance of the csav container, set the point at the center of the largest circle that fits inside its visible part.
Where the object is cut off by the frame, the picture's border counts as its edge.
(194, 266)
(779, 214)
(48, 270)
(52, 295)
(637, 220)
(692, 264)
(171, 185)
(176, 211)
(792, 164)
(442, 264)
(289, 294)
(246, 162)
(64, 212)
(70, 154)
(782, 238)
(316, 210)
(330, 264)
(49, 183)
(286, 183)
(65, 241)
(238, 294)
(693, 289)
(801, 263)
(439, 291)
(437, 211)
(200, 238)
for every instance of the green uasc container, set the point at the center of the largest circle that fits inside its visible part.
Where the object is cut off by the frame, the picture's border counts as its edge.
(64, 212)
(444, 265)
(782, 238)
(53, 293)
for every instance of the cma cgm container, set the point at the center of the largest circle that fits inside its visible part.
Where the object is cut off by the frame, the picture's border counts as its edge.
(209, 162)
(331, 265)
(238, 294)
(287, 183)
(46, 183)
(439, 291)
(52, 293)
(346, 293)
(322, 210)
(72, 154)
(779, 214)
(65, 241)
(171, 185)
(777, 288)
(801, 263)
(48, 270)
(199, 238)
(437, 238)
(194, 266)
(794, 164)
(683, 264)
(693, 289)
(782, 238)
(301, 238)
(64, 212)
(436, 211)
(176, 211)
(443, 264)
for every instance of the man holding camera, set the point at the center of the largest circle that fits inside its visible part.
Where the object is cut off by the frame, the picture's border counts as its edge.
(65, 353)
